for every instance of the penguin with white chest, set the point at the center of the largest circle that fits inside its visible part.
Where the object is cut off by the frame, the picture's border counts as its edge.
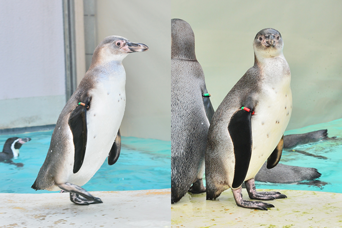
(87, 130)
(247, 128)
(11, 150)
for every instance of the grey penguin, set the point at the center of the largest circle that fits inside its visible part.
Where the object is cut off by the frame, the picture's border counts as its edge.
(190, 110)
(11, 150)
(87, 130)
(291, 174)
(248, 126)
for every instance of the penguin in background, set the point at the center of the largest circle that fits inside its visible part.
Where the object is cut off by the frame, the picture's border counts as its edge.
(87, 130)
(11, 150)
(191, 111)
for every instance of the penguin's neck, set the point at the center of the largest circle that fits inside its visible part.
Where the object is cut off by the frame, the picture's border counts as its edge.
(105, 59)
(273, 69)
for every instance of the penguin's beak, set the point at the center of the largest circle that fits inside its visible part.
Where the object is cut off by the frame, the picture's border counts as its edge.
(136, 47)
(24, 140)
(270, 41)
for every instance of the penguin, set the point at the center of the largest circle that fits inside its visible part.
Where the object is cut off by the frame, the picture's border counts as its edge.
(87, 130)
(292, 174)
(11, 150)
(247, 128)
(191, 110)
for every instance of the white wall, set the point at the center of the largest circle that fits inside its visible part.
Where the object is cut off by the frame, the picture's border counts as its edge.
(148, 85)
(311, 30)
(32, 78)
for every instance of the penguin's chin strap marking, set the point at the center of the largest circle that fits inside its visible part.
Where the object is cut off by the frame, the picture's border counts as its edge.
(247, 110)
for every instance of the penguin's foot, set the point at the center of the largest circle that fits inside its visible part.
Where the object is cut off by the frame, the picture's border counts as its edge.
(253, 194)
(78, 195)
(197, 187)
(249, 204)
(80, 200)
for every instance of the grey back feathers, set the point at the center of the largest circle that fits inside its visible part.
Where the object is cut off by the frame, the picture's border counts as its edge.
(183, 40)
(189, 123)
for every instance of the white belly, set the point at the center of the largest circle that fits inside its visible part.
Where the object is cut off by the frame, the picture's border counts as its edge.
(271, 118)
(103, 122)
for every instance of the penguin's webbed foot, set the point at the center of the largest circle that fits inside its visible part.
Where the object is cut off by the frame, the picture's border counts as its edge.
(80, 200)
(197, 187)
(253, 194)
(249, 204)
(78, 195)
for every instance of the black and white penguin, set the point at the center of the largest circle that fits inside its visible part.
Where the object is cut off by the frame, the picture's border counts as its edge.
(11, 150)
(191, 110)
(247, 128)
(87, 130)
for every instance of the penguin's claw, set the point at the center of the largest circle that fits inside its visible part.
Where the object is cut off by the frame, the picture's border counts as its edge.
(80, 200)
(249, 204)
(254, 205)
(78, 195)
(253, 194)
(95, 200)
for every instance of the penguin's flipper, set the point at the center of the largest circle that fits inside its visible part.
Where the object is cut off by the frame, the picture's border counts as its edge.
(240, 130)
(274, 158)
(115, 151)
(209, 110)
(78, 126)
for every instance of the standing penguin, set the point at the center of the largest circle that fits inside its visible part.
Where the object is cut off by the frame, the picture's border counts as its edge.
(190, 110)
(248, 126)
(87, 130)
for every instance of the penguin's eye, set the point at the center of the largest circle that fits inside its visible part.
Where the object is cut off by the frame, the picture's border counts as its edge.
(118, 43)
(278, 37)
(260, 38)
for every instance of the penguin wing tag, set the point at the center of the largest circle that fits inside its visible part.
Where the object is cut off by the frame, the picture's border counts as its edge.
(274, 158)
(209, 110)
(115, 151)
(240, 130)
(78, 125)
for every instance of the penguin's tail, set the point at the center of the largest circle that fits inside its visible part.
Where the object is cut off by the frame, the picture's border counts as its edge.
(34, 186)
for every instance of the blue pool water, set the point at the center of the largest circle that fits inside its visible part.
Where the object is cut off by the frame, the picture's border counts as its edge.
(331, 168)
(143, 164)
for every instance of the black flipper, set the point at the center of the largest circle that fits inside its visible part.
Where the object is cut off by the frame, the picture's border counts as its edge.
(240, 130)
(274, 158)
(78, 126)
(209, 110)
(115, 151)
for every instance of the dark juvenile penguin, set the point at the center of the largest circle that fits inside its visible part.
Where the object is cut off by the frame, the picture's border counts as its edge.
(11, 150)
(291, 174)
(87, 130)
(247, 128)
(293, 140)
(190, 110)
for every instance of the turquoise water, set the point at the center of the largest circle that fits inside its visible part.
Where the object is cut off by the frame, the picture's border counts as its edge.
(143, 164)
(331, 168)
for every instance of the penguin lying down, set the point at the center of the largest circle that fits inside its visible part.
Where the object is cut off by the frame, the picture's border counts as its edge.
(87, 130)
(11, 150)
(291, 174)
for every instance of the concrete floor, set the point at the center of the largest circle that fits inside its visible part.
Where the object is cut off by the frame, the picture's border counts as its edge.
(300, 209)
(149, 208)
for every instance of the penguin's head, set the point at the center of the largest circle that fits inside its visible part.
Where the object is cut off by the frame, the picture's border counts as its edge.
(182, 40)
(116, 48)
(268, 43)
(12, 145)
